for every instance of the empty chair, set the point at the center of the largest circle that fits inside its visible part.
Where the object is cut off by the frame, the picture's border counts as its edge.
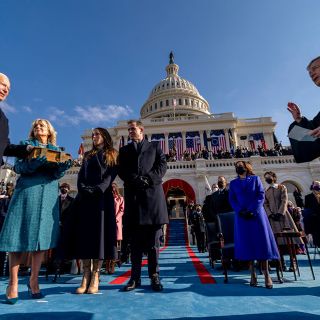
(225, 229)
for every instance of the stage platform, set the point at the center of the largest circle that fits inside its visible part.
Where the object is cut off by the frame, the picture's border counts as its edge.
(192, 290)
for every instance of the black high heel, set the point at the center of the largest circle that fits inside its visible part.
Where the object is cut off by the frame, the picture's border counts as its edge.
(10, 300)
(37, 295)
(253, 280)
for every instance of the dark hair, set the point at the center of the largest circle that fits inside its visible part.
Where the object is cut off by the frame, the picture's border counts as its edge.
(311, 62)
(272, 174)
(65, 185)
(247, 165)
(138, 123)
(110, 153)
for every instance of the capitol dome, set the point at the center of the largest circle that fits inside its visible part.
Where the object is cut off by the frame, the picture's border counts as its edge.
(174, 97)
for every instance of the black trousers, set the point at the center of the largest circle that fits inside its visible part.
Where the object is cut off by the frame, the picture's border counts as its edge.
(145, 239)
(200, 241)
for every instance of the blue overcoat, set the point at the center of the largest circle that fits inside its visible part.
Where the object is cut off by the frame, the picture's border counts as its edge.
(253, 238)
(32, 221)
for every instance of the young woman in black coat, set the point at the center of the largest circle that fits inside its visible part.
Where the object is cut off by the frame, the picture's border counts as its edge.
(94, 224)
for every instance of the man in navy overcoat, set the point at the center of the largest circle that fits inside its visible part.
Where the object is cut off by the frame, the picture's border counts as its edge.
(142, 165)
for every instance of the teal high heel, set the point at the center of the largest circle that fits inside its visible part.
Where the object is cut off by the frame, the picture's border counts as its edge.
(37, 295)
(10, 300)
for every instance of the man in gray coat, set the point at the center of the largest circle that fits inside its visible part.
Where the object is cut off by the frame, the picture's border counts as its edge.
(142, 165)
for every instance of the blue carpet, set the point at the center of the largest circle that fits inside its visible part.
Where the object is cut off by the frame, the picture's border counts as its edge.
(184, 297)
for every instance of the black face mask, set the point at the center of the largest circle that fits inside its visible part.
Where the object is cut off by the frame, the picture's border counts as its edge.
(269, 180)
(63, 190)
(220, 184)
(240, 170)
(316, 188)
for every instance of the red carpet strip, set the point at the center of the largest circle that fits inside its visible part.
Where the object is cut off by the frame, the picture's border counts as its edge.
(204, 275)
(126, 276)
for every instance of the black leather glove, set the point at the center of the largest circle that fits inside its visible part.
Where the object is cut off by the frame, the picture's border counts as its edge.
(88, 190)
(245, 214)
(142, 182)
(92, 190)
(63, 166)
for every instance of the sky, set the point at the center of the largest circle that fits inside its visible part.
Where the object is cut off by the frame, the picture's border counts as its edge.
(83, 64)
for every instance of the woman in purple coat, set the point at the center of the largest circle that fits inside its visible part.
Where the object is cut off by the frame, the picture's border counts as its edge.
(253, 236)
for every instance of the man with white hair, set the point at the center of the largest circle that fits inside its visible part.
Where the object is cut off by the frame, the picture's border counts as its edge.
(307, 150)
(7, 149)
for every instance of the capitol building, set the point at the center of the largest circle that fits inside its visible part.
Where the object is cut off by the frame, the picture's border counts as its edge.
(180, 118)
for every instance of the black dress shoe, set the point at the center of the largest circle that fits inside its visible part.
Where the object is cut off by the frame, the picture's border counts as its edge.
(155, 283)
(132, 284)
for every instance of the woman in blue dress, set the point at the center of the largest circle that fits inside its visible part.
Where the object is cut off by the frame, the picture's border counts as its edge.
(32, 221)
(253, 237)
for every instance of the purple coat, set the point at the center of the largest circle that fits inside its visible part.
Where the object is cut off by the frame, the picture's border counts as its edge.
(253, 238)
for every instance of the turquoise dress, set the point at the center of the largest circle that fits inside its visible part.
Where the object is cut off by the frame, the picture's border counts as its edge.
(32, 220)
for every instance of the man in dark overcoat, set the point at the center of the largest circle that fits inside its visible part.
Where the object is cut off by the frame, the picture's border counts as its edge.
(218, 202)
(305, 151)
(65, 201)
(7, 149)
(142, 165)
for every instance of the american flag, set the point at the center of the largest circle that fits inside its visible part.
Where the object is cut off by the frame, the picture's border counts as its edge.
(81, 151)
(175, 141)
(218, 141)
(121, 143)
(193, 142)
(256, 139)
(160, 137)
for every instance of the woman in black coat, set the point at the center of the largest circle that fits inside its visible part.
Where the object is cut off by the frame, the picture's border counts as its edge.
(312, 213)
(93, 223)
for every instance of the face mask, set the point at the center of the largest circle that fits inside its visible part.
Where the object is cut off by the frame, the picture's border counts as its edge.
(220, 184)
(63, 191)
(269, 180)
(240, 170)
(316, 188)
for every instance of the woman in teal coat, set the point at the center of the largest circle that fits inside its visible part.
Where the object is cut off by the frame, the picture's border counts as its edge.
(32, 221)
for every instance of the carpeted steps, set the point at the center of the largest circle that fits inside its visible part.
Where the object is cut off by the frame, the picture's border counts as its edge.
(176, 236)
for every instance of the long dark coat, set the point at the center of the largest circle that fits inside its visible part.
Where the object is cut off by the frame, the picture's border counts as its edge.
(312, 217)
(148, 206)
(304, 151)
(4, 134)
(217, 202)
(93, 224)
(7, 149)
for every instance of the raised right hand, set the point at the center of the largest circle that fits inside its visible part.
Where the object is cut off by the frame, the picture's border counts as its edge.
(295, 111)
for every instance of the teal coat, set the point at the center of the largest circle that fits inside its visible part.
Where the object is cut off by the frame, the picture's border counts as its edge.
(32, 221)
